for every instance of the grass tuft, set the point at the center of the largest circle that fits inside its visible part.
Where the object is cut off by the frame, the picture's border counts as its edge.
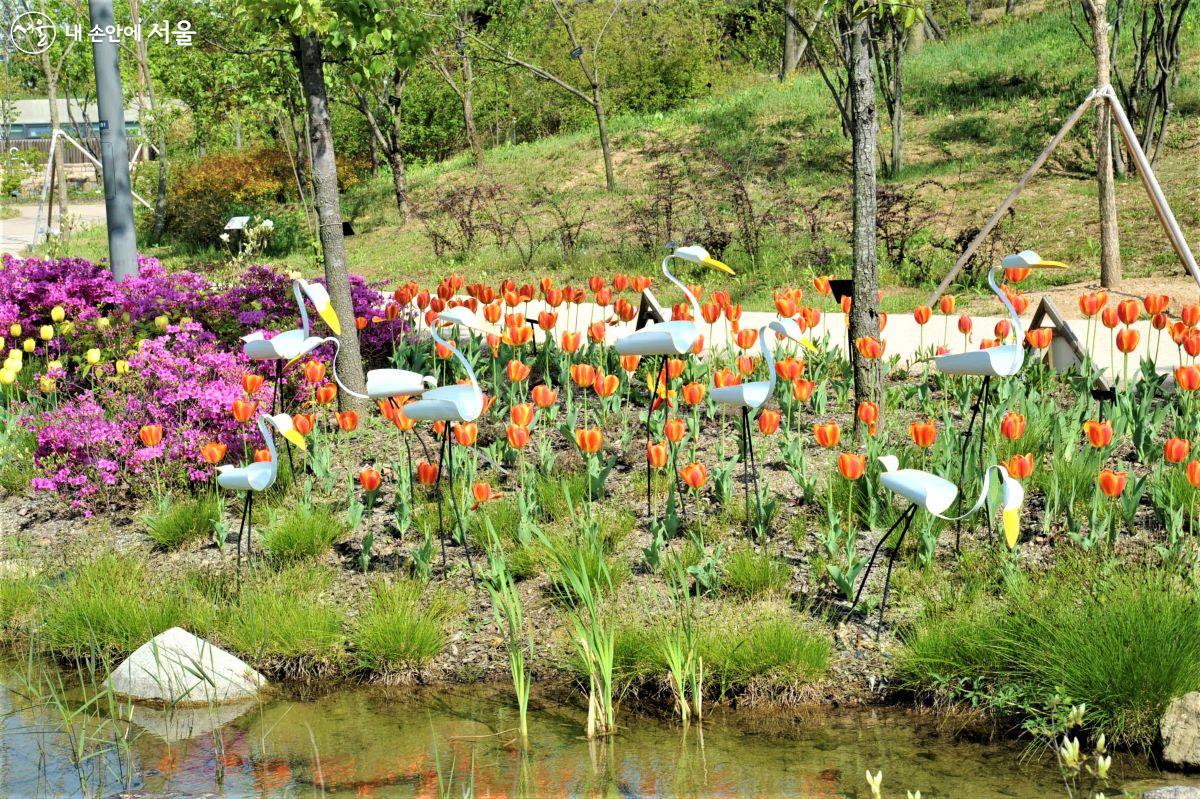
(306, 531)
(397, 629)
(282, 615)
(750, 573)
(181, 523)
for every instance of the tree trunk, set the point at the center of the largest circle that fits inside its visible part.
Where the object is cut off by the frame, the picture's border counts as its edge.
(467, 97)
(898, 105)
(1110, 251)
(864, 309)
(791, 43)
(610, 180)
(329, 214)
(60, 173)
(395, 159)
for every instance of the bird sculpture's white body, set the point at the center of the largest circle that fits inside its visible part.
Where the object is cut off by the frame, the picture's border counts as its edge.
(679, 336)
(753, 395)
(1005, 360)
(384, 384)
(457, 403)
(260, 476)
(292, 344)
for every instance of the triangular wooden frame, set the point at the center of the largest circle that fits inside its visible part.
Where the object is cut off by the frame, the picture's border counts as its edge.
(1104, 94)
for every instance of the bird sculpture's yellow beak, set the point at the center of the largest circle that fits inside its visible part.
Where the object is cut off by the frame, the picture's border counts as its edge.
(331, 318)
(1012, 526)
(806, 342)
(715, 264)
(296, 439)
(1048, 265)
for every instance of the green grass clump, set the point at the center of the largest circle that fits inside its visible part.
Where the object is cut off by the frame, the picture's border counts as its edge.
(19, 601)
(180, 523)
(111, 604)
(750, 573)
(1124, 643)
(282, 616)
(774, 646)
(552, 498)
(398, 629)
(305, 531)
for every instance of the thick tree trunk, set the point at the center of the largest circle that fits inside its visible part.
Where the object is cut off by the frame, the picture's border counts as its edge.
(1110, 251)
(60, 172)
(399, 180)
(864, 310)
(610, 179)
(329, 214)
(791, 41)
(467, 97)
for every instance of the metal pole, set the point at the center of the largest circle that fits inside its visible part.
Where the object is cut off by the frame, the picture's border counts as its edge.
(114, 149)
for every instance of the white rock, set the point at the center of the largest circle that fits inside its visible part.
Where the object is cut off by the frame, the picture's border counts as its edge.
(1173, 792)
(1180, 730)
(177, 668)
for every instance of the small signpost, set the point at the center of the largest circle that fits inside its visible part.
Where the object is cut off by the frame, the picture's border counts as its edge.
(649, 310)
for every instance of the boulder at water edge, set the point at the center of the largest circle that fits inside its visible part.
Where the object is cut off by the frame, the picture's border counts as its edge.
(1173, 792)
(177, 668)
(1180, 731)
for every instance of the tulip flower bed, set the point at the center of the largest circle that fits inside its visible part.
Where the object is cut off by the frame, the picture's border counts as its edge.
(120, 400)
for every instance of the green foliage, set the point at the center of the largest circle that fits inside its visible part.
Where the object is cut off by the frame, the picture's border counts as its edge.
(397, 629)
(281, 615)
(111, 604)
(19, 603)
(776, 647)
(306, 531)
(180, 523)
(1122, 641)
(751, 573)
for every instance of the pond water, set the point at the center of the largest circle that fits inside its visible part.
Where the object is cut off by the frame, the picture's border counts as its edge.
(417, 743)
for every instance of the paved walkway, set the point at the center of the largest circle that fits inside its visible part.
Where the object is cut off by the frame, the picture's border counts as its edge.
(17, 233)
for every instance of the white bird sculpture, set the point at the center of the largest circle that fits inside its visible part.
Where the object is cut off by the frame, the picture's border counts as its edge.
(751, 396)
(291, 345)
(382, 384)
(1005, 360)
(935, 495)
(676, 337)
(259, 476)
(451, 404)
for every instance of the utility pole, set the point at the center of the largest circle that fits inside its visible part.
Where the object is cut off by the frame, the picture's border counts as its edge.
(114, 149)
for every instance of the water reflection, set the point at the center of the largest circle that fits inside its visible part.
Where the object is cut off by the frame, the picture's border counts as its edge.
(370, 743)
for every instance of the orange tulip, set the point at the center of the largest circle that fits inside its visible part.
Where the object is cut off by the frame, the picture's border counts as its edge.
(768, 422)
(620, 281)
(326, 393)
(213, 452)
(314, 371)
(694, 475)
(1176, 450)
(965, 325)
(802, 389)
(640, 283)
(656, 455)
(251, 383)
(466, 433)
(1159, 321)
(1040, 338)
(1187, 377)
(746, 364)
(483, 492)
(868, 414)
(821, 284)
(923, 434)
(1112, 483)
(150, 434)
(725, 377)
(571, 342)
(1002, 329)
(869, 347)
(1193, 474)
(827, 434)
(1020, 466)
(1191, 344)
(589, 439)
(427, 473)
(547, 320)
(606, 385)
(1128, 311)
(710, 312)
(1127, 339)
(675, 367)
(1156, 303)
(630, 362)
(922, 314)
(262, 455)
(946, 304)
(674, 430)
(1190, 314)
(1099, 434)
(521, 414)
(1012, 426)
(517, 371)
(517, 336)
(370, 480)
(584, 374)
(851, 466)
(788, 369)
(347, 420)
(1109, 317)
(517, 435)
(304, 423)
(544, 396)
(243, 410)
(693, 393)
(746, 337)
(1016, 274)
(1092, 303)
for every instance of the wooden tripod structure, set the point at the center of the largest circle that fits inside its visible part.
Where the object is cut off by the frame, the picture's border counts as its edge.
(1104, 94)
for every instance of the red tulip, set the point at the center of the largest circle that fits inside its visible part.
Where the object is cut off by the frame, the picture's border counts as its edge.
(923, 434)
(1099, 434)
(1020, 466)
(370, 480)
(851, 466)
(1187, 377)
(427, 473)
(150, 434)
(1012, 426)
(768, 422)
(1193, 474)
(1176, 450)
(1112, 483)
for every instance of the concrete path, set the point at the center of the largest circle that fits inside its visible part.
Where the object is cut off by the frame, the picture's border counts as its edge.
(17, 233)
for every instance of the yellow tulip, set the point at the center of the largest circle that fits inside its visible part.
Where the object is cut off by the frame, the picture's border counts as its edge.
(161, 322)
(92, 356)
(57, 313)
(30, 345)
(46, 332)
(55, 364)
(7, 376)
(103, 323)
(122, 367)
(186, 320)
(46, 384)
(1, 342)
(14, 330)
(66, 327)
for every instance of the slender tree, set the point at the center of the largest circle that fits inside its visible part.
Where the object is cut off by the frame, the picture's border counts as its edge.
(1110, 250)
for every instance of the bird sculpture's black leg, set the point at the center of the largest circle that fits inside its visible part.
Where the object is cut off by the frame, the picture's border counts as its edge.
(438, 498)
(241, 530)
(649, 409)
(962, 459)
(745, 437)
(462, 534)
(904, 517)
(249, 529)
(753, 468)
(887, 580)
